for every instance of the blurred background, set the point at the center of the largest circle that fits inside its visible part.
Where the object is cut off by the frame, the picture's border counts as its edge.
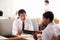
(34, 8)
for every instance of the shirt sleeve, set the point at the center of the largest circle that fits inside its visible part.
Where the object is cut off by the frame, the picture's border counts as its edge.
(44, 36)
(14, 28)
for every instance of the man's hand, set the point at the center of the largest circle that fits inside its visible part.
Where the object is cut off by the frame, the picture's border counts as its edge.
(19, 32)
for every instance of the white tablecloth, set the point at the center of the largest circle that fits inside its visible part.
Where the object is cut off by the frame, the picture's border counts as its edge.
(26, 36)
(2, 38)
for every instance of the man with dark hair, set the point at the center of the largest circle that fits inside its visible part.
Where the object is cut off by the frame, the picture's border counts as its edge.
(22, 23)
(1, 13)
(21, 11)
(46, 1)
(48, 15)
(51, 28)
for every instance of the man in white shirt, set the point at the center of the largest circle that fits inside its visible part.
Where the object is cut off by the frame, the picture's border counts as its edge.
(46, 2)
(51, 29)
(22, 23)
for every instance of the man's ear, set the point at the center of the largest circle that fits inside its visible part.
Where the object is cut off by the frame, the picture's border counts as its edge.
(25, 15)
(48, 19)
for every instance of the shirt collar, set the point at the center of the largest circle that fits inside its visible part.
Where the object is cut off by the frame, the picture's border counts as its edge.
(51, 23)
(20, 20)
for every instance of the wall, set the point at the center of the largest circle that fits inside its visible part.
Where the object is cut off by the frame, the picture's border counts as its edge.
(6, 7)
(34, 8)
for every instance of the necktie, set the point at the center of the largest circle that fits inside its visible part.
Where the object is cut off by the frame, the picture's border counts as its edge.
(23, 26)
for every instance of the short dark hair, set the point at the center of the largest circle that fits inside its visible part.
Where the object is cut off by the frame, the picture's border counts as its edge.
(47, 1)
(49, 15)
(1, 13)
(21, 11)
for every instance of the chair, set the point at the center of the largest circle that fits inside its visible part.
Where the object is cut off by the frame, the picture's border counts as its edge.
(6, 26)
(57, 38)
(56, 21)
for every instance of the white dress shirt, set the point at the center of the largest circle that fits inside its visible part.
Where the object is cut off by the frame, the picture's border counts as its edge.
(50, 31)
(17, 25)
(47, 8)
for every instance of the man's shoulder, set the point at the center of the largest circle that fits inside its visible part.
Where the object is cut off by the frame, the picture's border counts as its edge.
(49, 27)
(15, 21)
(28, 20)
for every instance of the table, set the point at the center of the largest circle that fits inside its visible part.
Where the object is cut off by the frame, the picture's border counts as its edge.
(19, 37)
(1, 37)
(26, 36)
(13, 38)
